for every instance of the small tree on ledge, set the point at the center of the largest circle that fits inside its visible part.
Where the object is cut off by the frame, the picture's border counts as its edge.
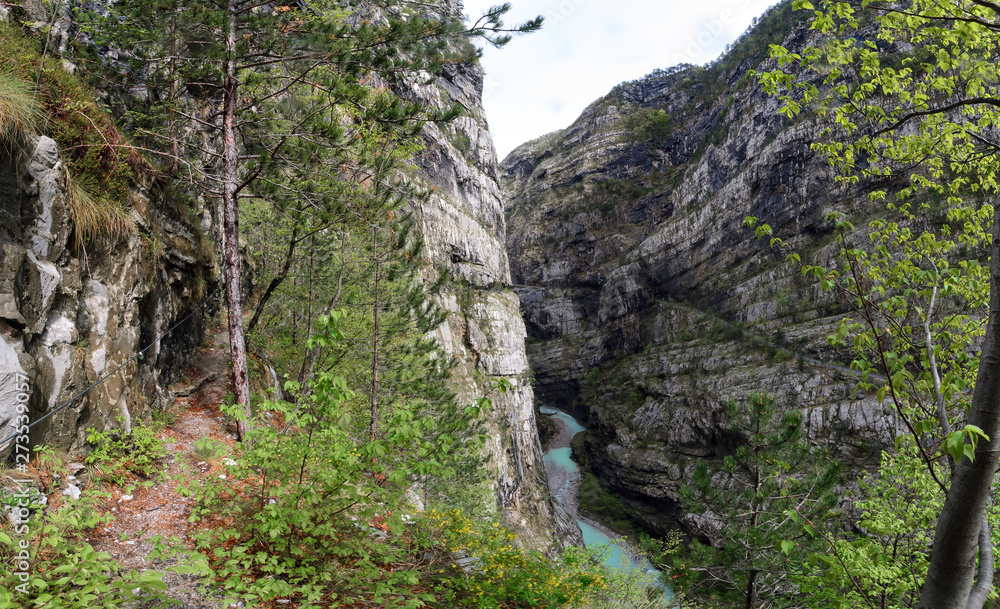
(772, 479)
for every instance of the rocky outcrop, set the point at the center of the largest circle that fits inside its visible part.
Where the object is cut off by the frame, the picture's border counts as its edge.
(649, 304)
(73, 310)
(464, 230)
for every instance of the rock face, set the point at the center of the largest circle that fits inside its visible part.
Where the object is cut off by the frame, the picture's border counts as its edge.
(72, 312)
(464, 230)
(647, 302)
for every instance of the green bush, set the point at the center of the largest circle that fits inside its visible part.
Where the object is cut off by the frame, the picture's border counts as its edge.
(164, 417)
(502, 574)
(119, 457)
(649, 124)
(209, 449)
(47, 562)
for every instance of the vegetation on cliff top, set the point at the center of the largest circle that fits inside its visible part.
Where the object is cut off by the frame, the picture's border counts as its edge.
(102, 163)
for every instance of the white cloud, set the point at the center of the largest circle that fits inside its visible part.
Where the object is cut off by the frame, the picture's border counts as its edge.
(541, 82)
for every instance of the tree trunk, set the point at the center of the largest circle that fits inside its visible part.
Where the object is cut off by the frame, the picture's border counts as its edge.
(230, 194)
(275, 282)
(953, 558)
(984, 577)
(751, 591)
(373, 422)
(309, 317)
(315, 351)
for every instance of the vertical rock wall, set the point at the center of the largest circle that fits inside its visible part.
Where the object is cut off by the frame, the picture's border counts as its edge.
(650, 304)
(464, 230)
(72, 311)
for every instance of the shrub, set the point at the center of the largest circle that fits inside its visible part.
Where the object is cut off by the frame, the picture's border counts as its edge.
(119, 457)
(649, 124)
(503, 574)
(209, 449)
(164, 417)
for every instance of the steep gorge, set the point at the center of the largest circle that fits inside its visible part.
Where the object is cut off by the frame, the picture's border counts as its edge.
(648, 303)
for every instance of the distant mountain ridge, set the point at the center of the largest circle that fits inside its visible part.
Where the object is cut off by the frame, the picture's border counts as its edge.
(648, 303)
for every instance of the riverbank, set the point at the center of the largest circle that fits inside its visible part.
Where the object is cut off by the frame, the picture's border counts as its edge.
(564, 478)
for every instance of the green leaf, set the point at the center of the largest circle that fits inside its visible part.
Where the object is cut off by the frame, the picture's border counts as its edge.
(973, 431)
(880, 394)
(786, 546)
(955, 444)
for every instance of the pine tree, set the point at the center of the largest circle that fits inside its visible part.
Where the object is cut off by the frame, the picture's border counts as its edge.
(752, 504)
(286, 92)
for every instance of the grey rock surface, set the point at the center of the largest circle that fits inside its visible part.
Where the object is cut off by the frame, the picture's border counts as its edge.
(463, 225)
(647, 302)
(72, 312)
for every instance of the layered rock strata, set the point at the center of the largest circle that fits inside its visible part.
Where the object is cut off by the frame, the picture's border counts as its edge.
(647, 301)
(463, 226)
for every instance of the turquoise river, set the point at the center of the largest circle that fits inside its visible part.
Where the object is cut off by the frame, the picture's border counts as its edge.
(564, 477)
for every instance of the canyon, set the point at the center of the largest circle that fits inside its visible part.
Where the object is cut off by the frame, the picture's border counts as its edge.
(649, 303)
(72, 313)
(604, 270)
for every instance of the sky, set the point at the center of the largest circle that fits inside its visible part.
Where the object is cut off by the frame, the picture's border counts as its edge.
(541, 82)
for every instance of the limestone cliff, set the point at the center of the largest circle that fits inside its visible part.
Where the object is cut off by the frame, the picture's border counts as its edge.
(73, 311)
(464, 230)
(649, 304)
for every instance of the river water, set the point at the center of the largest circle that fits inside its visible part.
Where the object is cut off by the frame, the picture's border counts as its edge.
(564, 479)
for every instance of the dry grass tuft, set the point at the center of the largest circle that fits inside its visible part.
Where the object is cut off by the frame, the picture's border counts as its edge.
(97, 218)
(20, 112)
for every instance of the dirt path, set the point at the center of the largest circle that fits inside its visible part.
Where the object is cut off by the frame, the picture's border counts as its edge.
(160, 510)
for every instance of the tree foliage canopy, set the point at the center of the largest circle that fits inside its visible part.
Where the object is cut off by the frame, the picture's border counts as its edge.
(906, 96)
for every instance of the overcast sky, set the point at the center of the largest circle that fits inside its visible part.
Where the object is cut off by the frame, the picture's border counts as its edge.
(541, 82)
